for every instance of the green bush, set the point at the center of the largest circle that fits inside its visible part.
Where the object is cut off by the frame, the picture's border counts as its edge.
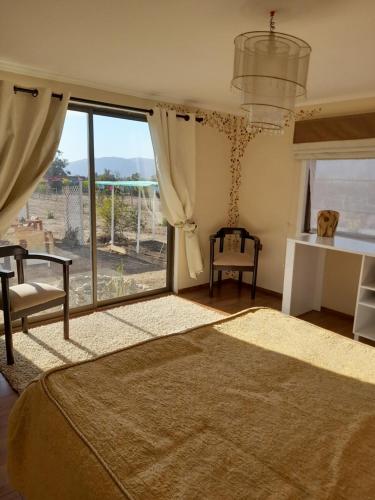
(41, 188)
(71, 237)
(126, 217)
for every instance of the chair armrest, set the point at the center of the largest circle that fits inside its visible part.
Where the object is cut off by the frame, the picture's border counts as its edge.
(4, 273)
(255, 238)
(52, 258)
(213, 237)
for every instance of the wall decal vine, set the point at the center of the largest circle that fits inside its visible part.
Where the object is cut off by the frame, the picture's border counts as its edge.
(239, 133)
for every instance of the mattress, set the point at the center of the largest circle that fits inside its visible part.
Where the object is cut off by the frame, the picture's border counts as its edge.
(258, 405)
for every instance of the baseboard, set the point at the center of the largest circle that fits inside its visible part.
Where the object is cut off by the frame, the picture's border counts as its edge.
(267, 291)
(194, 288)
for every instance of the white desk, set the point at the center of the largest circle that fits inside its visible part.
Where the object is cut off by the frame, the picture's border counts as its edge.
(304, 271)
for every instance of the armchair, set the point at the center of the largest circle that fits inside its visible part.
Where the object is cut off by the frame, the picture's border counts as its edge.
(25, 298)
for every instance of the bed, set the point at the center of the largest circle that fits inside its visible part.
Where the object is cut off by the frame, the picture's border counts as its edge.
(258, 405)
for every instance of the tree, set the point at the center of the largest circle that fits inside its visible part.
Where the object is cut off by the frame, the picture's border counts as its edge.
(134, 177)
(57, 171)
(133, 191)
(58, 166)
(107, 175)
(126, 217)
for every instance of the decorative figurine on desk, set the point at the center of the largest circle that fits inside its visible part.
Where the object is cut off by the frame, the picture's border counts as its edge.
(327, 223)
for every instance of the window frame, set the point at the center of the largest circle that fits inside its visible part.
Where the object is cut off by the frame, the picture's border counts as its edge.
(329, 150)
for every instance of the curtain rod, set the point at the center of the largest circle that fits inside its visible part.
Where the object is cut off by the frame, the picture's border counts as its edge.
(35, 93)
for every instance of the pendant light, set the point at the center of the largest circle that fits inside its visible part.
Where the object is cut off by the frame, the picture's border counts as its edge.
(270, 72)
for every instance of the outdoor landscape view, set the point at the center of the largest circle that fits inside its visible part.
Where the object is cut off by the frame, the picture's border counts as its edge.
(130, 244)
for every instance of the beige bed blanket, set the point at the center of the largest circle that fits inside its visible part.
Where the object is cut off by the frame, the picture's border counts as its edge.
(256, 406)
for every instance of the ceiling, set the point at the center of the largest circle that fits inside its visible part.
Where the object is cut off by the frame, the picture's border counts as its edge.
(182, 50)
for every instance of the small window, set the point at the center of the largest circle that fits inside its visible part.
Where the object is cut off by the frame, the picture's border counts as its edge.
(347, 186)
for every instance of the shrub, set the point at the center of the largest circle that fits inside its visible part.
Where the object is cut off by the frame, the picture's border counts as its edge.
(41, 188)
(126, 217)
(71, 237)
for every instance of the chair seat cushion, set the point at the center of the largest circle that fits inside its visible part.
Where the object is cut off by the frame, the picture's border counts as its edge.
(31, 294)
(233, 259)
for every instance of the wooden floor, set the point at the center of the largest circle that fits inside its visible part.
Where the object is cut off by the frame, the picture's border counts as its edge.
(228, 298)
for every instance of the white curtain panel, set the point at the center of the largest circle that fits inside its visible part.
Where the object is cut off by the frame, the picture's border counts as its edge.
(173, 141)
(30, 130)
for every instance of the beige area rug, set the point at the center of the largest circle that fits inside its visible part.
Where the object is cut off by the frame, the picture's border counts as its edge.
(98, 333)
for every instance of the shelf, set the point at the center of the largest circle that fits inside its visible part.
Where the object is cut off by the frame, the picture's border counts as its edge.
(367, 332)
(369, 286)
(368, 302)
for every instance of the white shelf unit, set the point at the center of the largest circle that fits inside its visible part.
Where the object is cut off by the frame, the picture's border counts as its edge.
(364, 320)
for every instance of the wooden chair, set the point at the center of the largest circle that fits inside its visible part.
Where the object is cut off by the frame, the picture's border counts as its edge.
(23, 299)
(234, 261)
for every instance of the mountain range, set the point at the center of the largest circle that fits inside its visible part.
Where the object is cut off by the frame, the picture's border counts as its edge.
(125, 167)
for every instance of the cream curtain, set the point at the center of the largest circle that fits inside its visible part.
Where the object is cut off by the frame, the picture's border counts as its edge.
(173, 141)
(30, 130)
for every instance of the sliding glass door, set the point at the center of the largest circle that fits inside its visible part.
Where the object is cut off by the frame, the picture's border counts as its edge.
(98, 204)
(131, 233)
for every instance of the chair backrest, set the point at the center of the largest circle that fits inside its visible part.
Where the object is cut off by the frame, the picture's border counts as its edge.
(18, 253)
(240, 231)
(13, 251)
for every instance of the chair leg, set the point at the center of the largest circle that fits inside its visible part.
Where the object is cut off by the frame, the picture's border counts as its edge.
(254, 285)
(66, 320)
(25, 325)
(66, 302)
(219, 276)
(8, 337)
(211, 282)
(240, 278)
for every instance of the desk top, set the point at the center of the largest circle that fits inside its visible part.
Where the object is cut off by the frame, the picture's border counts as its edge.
(339, 243)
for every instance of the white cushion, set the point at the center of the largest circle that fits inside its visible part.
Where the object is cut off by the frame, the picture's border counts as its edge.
(31, 294)
(233, 259)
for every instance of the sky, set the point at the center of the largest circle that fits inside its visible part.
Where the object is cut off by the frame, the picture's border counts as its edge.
(112, 137)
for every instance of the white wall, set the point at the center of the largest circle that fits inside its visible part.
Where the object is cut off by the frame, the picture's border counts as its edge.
(268, 200)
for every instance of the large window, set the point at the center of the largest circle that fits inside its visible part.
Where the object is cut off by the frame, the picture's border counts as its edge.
(347, 186)
(98, 204)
